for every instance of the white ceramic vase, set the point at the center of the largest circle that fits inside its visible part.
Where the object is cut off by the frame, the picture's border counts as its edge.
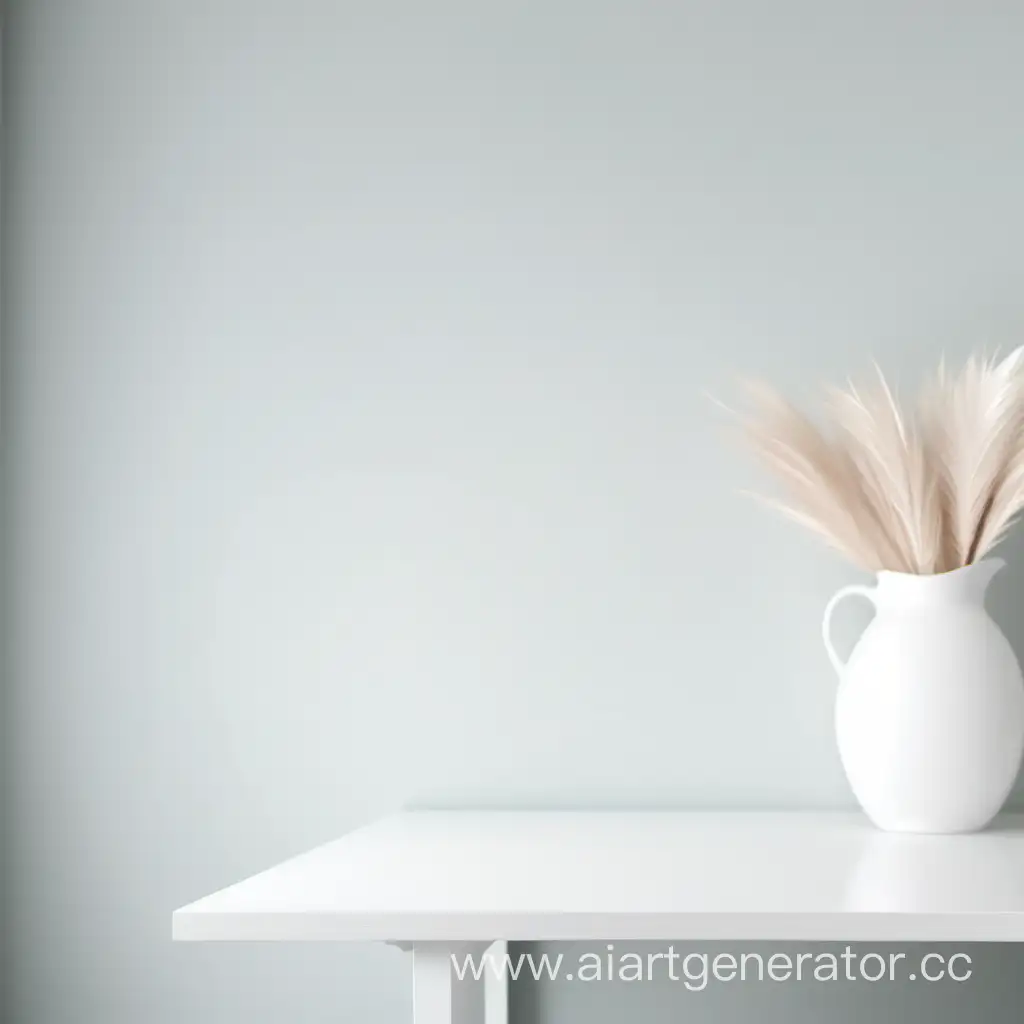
(930, 709)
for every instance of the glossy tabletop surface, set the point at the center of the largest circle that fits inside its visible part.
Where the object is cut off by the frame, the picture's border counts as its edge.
(467, 875)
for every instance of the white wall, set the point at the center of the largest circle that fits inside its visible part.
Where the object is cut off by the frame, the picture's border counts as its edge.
(358, 446)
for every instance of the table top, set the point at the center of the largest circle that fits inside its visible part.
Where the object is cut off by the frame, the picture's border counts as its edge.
(478, 876)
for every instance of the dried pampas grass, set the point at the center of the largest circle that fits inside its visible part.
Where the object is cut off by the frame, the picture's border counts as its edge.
(924, 491)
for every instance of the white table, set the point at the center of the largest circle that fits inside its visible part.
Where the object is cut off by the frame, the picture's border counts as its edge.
(438, 883)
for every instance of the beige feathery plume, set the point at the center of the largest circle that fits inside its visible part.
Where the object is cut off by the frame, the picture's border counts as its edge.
(1002, 513)
(820, 479)
(975, 421)
(924, 492)
(896, 477)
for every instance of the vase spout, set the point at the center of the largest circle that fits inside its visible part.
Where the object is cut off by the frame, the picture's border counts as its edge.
(981, 574)
(958, 586)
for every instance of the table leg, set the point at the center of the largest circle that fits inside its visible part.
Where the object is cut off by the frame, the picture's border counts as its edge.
(441, 997)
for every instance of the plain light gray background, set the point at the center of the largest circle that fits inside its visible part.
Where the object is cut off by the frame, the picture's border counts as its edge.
(358, 450)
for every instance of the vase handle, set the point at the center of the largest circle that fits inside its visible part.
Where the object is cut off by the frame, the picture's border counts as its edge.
(826, 624)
